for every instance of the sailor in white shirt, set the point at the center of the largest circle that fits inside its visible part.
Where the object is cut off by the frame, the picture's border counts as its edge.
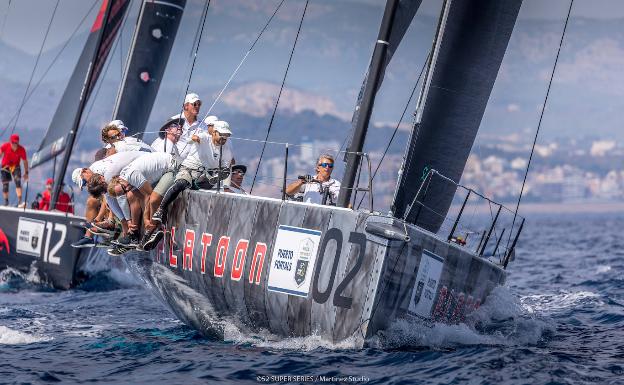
(135, 181)
(192, 125)
(320, 188)
(168, 137)
(209, 151)
(116, 141)
(101, 172)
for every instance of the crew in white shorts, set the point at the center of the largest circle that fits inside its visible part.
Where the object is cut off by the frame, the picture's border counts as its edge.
(136, 181)
(208, 152)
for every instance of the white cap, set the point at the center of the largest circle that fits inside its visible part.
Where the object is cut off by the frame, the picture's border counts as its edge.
(191, 98)
(119, 124)
(222, 127)
(210, 120)
(77, 177)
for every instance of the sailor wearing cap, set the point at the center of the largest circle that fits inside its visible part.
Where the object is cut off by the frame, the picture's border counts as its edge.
(190, 112)
(12, 153)
(236, 180)
(209, 159)
(63, 204)
(114, 136)
(168, 136)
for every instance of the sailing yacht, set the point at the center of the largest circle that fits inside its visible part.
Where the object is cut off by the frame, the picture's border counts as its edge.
(297, 269)
(42, 239)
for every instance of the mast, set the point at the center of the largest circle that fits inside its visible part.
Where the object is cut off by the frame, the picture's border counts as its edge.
(468, 50)
(153, 38)
(89, 80)
(368, 99)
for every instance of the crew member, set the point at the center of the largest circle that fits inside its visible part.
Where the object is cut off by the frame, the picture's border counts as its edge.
(64, 202)
(136, 181)
(12, 153)
(209, 158)
(320, 188)
(190, 111)
(236, 180)
(168, 136)
(113, 135)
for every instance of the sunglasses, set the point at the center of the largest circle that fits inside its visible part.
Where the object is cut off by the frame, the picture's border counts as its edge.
(197, 104)
(238, 172)
(326, 165)
(114, 137)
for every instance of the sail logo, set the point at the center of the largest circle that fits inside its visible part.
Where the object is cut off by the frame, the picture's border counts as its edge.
(293, 257)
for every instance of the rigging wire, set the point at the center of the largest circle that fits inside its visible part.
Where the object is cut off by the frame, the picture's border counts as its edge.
(539, 124)
(58, 55)
(201, 33)
(104, 73)
(188, 66)
(4, 19)
(244, 58)
(279, 95)
(32, 75)
(396, 129)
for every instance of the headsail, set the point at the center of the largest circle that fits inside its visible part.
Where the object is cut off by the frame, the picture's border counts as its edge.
(81, 83)
(468, 50)
(151, 45)
(397, 18)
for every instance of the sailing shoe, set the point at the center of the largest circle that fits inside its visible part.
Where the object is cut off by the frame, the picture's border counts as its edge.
(105, 225)
(129, 240)
(117, 250)
(84, 242)
(159, 216)
(97, 230)
(153, 240)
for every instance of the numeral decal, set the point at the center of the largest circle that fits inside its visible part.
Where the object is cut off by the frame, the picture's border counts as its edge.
(322, 297)
(339, 300)
(50, 255)
(359, 240)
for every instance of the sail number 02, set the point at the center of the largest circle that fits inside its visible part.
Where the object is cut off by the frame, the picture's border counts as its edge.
(339, 300)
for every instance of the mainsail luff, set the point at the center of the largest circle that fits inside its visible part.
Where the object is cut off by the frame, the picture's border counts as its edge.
(468, 51)
(156, 29)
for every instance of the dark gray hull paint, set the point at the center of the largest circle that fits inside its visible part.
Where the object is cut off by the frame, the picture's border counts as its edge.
(366, 292)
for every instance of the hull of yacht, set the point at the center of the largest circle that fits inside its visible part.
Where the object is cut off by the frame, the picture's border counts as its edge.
(298, 269)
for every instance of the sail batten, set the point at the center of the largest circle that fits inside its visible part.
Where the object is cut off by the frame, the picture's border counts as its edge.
(467, 53)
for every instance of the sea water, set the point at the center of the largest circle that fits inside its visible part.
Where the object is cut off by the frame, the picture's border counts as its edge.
(560, 319)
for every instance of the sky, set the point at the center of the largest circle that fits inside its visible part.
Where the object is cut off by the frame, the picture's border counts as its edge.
(28, 35)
